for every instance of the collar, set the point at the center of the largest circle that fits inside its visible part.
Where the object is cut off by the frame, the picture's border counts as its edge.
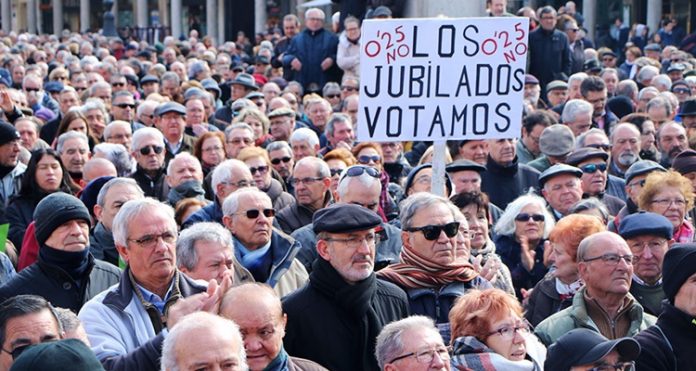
(641, 282)
(153, 298)
(174, 147)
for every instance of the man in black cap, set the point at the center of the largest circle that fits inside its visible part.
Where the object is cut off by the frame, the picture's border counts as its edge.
(465, 175)
(560, 186)
(57, 355)
(65, 273)
(583, 349)
(635, 179)
(335, 319)
(670, 343)
(593, 163)
(172, 124)
(556, 93)
(11, 169)
(688, 117)
(648, 235)
(685, 164)
(150, 84)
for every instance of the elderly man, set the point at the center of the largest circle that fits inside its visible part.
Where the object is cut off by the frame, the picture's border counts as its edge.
(281, 157)
(67, 99)
(465, 175)
(113, 194)
(148, 151)
(11, 176)
(358, 185)
(96, 115)
(339, 133)
(505, 178)
(555, 143)
(146, 113)
(648, 236)
(73, 148)
(593, 163)
(430, 237)
(669, 344)
(172, 123)
(228, 177)
(659, 110)
(259, 164)
(125, 324)
(528, 147)
(343, 294)
(282, 123)
(594, 91)
(237, 137)
(119, 132)
(625, 148)
(65, 272)
(257, 309)
(204, 341)
(269, 256)
(556, 93)
(184, 178)
(204, 252)
(577, 115)
(394, 162)
(635, 179)
(123, 106)
(318, 111)
(561, 188)
(604, 304)
(26, 320)
(311, 181)
(545, 41)
(411, 344)
(304, 143)
(671, 140)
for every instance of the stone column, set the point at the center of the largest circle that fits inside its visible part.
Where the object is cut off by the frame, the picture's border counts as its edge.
(260, 17)
(211, 19)
(589, 11)
(654, 15)
(434, 8)
(85, 14)
(221, 22)
(57, 17)
(176, 20)
(31, 17)
(141, 14)
(6, 11)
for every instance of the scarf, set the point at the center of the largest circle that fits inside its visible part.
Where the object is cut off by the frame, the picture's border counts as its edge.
(187, 189)
(566, 292)
(258, 261)
(384, 195)
(416, 271)
(468, 353)
(280, 363)
(685, 233)
(356, 301)
(74, 263)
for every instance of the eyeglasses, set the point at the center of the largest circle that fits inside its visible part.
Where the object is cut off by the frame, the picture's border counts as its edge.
(254, 213)
(612, 259)
(146, 150)
(524, 217)
(125, 105)
(666, 202)
(246, 141)
(432, 232)
(212, 149)
(32, 90)
(307, 181)
(426, 356)
(508, 332)
(260, 169)
(16, 352)
(359, 170)
(638, 183)
(239, 184)
(356, 242)
(655, 247)
(150, 240)
(367, 159)
(603, 146)
(621, 366)
(591, 168)
(276, 161)
(349, 88)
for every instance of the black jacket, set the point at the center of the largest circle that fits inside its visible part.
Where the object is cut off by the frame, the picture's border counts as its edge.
(542, 45)
(101, 244)
(55, 285)
(335, 324)
(20, 213)
(675, 350)
(296, 216)
(503, 184)
(152, 187)
(544, 301)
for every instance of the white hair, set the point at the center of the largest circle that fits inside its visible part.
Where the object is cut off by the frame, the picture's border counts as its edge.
(305, 135)
(130, 210)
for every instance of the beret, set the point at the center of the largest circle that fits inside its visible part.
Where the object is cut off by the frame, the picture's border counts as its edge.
(652, 48)
(681, 83)
(641, 167)
(55, 210)
(465, 164)
(688, 108)
(678, 265)
(211, 84)
(609, 53)
(344, 218)
(254, 95)
(556, 140)
(170, 107)
(645, 223)
(558, 169)
(675, 67)
(382, 11)
(685, 162)
(282, 111)
(591, 65)
(262, 59)
(586, 153)
(530, 80)
(53, 86)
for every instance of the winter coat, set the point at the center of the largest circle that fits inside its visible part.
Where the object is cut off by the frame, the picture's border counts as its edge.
(544, 301)
(211, 212)
(509, 250)
(669, 344)
(311, 48)
(279, 198)
(348, 57)
(543, 44)
(10, 183)
(503, 184)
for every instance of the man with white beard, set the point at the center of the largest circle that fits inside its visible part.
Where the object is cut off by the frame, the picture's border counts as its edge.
(625, 148)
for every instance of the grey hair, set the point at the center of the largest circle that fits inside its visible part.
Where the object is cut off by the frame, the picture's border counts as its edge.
(577, 77)
(239, 125)
(336, 118)
(142, 134)
(647, 73)
(365, 179)
(660, 101)
(101, 197)
(320, 166)
(170, 76)
(145, 104)
(575, 107)
(182, 155)
(671, 98)
(278, 145)
(662, 81)
(390, 342)
(118, 155)
(186, 255)
(591, 203)
(110, 127)
(70, 135)
(607, 71)
(196, 321)
(411, 205)
(323, 15)
(627, 88)
(130, 210)
(195, 68)
(647, 89)
(223, 172)
(231, 204)
(305, 135)
(580, 141)
(98, 85)
(121, 93)
(506, 223)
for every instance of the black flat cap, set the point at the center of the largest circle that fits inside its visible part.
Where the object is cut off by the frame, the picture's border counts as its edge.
(149, 79)
(344, 218)
(170, 107)
(584, 154)
(461, 165)
(558, 169)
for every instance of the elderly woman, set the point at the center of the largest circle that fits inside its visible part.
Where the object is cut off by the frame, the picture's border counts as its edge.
(521, 232)
(669, 194)
(490, 333)
(474, 208)
(259, 122)
(555, 292)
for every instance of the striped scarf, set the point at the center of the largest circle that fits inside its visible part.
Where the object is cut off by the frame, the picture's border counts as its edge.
(416, 271)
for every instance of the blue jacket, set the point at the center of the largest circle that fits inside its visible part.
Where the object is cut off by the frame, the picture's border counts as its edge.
(311, 48)
(208, 213)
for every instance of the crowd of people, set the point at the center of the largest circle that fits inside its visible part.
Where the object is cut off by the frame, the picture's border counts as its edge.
(193, 206)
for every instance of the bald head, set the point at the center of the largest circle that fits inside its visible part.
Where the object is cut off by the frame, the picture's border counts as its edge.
(97, 167)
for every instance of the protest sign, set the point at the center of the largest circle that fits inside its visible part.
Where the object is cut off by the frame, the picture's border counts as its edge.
(442, 79)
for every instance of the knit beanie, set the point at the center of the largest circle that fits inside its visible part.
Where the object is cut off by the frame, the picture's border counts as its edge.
(8, 133)
(679, 264)
(55, 210)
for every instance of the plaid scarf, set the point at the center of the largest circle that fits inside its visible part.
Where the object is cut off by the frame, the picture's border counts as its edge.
(416, 271)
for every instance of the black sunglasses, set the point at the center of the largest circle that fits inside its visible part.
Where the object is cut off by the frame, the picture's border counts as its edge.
(260, 169)
(146, 150)
(359, 170)
(254, 213)
(125, 105)
(523, 217)
(16, 352)
(332, 96)
(591, 168)
(432, 232)
(366, 159)
(335, 172)
(277, 161)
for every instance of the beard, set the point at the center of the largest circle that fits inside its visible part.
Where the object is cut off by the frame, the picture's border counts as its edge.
(627, 158)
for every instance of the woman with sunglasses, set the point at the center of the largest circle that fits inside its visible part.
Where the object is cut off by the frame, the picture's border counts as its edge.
(490, 333)
(520, 234)
(370, 154)
(669, 194)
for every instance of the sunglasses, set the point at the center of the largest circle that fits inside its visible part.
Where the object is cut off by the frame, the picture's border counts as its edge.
(260, 169)
(34, 90)
(335, 172)
(146, 150)
(366, 159)
(358, 170)
(16, 352)
(125, 105)
(276, 161)
(254, 213)
(118, 84)
(681, 91)
(432, 232)
(591, 168)
(332, 96)
(524, 217)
